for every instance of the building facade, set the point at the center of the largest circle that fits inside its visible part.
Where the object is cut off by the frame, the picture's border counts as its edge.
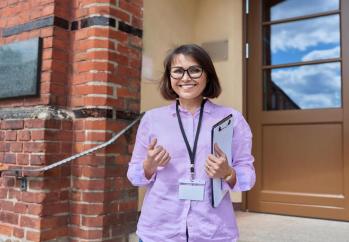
(283, 64)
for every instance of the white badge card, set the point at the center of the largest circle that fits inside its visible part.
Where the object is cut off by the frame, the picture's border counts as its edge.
(191, 190)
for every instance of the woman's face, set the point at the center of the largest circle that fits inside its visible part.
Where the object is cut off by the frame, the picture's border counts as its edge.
(188, 79)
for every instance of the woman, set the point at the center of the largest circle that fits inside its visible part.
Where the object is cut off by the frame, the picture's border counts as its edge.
(173, 144)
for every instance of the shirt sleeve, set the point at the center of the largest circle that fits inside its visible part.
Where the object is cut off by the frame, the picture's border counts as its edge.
(242, 157)
(135, 172)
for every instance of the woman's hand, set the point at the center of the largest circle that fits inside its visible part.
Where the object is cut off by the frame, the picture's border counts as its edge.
(157, 156)
(217, 165)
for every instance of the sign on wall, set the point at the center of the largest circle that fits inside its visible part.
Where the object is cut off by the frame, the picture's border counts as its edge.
(20, 68)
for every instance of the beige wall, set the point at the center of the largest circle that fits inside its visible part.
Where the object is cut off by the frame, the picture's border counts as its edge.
(222, 20)
(168, 23)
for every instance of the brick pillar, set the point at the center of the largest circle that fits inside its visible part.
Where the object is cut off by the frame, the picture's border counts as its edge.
(89, 90)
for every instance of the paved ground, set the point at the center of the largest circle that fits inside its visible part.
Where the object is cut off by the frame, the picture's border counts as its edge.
(258, 227)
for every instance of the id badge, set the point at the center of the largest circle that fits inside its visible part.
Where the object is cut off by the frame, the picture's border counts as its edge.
(191, 189)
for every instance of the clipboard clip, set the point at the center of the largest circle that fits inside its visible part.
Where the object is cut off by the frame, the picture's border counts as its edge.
(223, 127)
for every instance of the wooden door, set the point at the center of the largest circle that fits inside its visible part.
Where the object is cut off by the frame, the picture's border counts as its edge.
(298, 106)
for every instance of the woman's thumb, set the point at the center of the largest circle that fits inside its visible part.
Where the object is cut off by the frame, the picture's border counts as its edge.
(152, 144)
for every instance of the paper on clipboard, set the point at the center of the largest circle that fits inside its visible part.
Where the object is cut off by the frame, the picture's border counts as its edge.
(222, 134)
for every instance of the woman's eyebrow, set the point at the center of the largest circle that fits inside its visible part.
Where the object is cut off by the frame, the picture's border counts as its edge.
(183, 67)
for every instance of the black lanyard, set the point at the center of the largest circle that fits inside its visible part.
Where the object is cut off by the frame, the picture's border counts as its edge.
(191, 152)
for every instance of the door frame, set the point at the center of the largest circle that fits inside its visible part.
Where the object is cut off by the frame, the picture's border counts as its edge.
(249, 110)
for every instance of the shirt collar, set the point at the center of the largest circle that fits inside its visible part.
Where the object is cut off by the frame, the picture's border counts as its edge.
(207, 108)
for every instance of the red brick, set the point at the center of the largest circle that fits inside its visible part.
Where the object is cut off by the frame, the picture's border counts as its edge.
(136, 42)
(88, 209)
(92, 89)
(20, 207)
(86, 234)
(32, 197)
(53, 124)
(47, 32)
(93, 197)
(22, 159)
(84, 45)
(119, 36)
(97, 66)
(34, 147)
(8, 217)
(35, 209)
(5, 147)
(131, 8)
(3, 193)
(11, 135)
(10, 158)
(98, 136)
(6, 230)
(12, 124)
(54, 233)
(93, 221)
(30, 222)
(18, 232)
(37, 159)
(127, 206)
(16, 147)
(93, 172)
(23, 135)
(137, 22)
(34, 123)
(96, 101)
(96, 184)
(127, 93)
(33, 236)
(7, 205)
(120, 14)
(38, 135)
(47, 10)
(50, 209)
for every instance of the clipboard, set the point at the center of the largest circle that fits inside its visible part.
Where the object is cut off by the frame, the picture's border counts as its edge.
(222, 134)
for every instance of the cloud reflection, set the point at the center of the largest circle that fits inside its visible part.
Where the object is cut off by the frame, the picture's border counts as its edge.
(311, 86)
(294, 8)
(304, 34)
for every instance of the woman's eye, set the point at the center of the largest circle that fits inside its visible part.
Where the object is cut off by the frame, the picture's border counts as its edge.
(178, 71)
(194, 70)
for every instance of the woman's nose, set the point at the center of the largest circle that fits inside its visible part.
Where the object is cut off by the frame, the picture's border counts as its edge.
(186, 76)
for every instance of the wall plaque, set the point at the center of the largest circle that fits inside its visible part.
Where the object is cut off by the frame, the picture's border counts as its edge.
(218, 50)
(20, 68)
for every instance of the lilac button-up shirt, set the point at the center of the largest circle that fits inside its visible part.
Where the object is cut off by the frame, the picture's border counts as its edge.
(164, 217)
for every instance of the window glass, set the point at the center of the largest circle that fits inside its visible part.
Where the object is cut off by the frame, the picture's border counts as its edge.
(276, 9)
(303, 87)
(304, 40)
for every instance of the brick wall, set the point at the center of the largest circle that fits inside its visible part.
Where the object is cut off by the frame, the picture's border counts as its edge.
(89, 90)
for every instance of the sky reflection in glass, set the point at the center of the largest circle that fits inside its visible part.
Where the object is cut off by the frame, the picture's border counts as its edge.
(310, 86)
(304, 40)
(296, 8)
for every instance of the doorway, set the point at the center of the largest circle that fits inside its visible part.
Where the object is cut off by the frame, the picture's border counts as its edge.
(298, 107)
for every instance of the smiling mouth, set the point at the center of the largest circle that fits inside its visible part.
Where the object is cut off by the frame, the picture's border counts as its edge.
(187, 85)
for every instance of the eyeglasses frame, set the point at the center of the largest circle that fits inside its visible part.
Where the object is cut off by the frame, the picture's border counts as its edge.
(186, 70)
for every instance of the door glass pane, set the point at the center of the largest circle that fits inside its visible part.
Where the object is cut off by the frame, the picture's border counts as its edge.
(276, 9)
(304, 40)
(303, 87)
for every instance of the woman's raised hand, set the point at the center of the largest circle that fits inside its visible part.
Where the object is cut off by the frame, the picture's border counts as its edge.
(156, 156)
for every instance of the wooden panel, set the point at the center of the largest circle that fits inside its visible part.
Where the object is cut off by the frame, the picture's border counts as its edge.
(302, 116)
(303, 158)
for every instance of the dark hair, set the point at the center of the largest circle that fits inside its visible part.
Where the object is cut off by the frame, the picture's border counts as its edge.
(212, 89)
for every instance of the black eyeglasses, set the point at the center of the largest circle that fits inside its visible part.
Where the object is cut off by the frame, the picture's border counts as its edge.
(194, 72)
